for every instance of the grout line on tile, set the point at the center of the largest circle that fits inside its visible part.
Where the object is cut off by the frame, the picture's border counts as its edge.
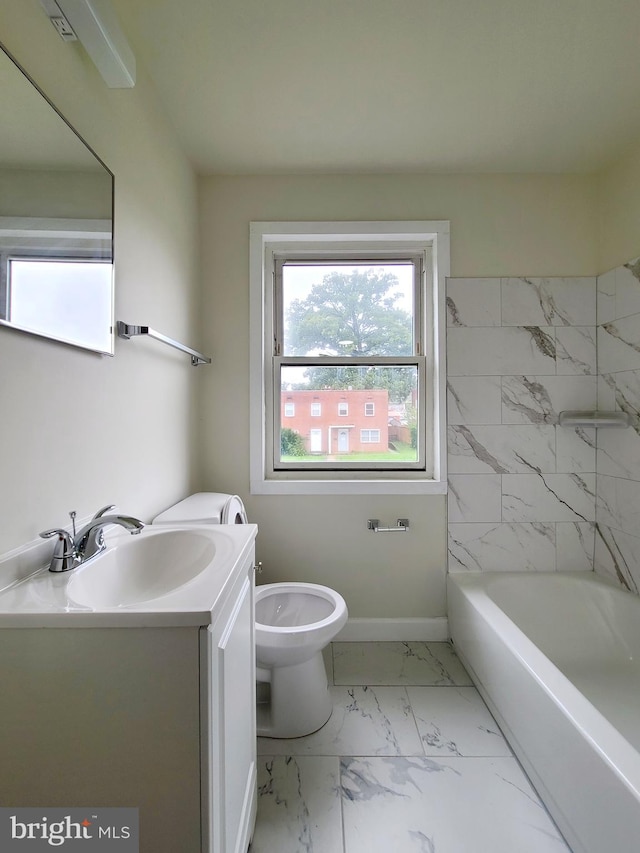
(415, 722)
(342, 798)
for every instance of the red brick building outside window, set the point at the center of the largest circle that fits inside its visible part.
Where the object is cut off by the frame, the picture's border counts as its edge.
(333, 422)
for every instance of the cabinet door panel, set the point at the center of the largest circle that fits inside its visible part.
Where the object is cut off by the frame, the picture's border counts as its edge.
(237, 653)
(228, 722)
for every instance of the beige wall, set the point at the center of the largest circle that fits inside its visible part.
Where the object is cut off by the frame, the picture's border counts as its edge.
(619, 211)
(77, 430)
(500, 225)
(51, 193)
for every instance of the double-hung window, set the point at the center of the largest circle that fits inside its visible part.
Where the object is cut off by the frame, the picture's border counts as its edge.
(347, 323)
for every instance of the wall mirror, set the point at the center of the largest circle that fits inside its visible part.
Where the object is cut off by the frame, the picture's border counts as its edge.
(56, 222)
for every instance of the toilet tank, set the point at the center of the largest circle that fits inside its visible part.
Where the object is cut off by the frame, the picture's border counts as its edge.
(204, 508)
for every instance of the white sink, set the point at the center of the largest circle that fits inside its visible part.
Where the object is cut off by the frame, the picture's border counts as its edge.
(142, 568)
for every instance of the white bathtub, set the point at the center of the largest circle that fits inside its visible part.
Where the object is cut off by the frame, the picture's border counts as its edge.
(556, 657)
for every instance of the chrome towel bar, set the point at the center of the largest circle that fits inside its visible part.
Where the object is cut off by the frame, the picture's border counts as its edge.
(374, 524)
(127, 331)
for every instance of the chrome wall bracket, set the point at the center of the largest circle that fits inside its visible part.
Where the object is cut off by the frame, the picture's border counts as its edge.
(374, 524)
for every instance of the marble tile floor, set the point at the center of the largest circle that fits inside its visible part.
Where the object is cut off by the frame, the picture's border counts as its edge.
(411, 761)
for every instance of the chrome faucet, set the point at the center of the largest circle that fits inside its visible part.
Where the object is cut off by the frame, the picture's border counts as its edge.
(70, 552)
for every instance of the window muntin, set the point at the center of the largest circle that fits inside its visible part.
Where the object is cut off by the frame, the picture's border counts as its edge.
(343, 409)
(289, 409)
(369, 409)
(316, 409)
(370, 436)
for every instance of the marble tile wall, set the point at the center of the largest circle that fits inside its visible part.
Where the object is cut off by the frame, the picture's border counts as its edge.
(617, 548)
(522, 490)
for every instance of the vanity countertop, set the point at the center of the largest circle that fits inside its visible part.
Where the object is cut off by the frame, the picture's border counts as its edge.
(42, 599)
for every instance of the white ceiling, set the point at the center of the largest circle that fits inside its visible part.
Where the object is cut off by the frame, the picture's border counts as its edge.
(272, 86)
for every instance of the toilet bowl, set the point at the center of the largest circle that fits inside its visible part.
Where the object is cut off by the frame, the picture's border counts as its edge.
(294, 623)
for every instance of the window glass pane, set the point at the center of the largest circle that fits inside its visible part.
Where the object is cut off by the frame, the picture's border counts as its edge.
(352, 308)
(67, 300)
(386, 436)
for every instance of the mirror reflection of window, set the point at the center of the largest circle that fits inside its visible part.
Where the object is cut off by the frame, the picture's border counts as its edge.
(56, 222)
(70, 297)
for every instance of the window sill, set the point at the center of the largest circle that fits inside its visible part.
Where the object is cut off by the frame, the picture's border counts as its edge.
(349, 487)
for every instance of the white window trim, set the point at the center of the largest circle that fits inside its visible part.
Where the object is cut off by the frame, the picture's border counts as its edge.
(263, 238)
(372, 413)
(369, 431)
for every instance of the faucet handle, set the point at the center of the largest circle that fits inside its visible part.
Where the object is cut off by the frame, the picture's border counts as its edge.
(62, 535)
(104, 509)
(64, 557)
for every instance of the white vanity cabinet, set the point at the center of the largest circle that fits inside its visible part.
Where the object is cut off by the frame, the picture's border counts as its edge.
(157, 713)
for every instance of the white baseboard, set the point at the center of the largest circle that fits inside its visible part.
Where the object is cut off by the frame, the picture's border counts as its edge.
(434, 629)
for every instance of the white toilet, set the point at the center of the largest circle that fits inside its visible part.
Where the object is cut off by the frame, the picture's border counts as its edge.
(294, 623)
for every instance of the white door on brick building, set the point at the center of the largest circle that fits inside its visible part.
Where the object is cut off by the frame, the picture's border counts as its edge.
(315, 440)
